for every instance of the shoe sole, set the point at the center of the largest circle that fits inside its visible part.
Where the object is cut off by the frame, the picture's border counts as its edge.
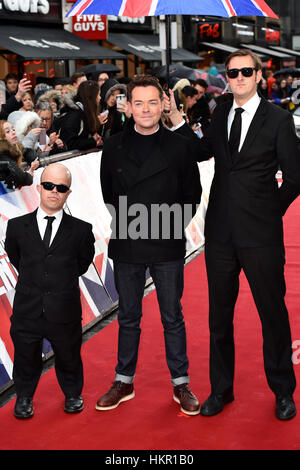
(187, 412)
(287, 418)
(112, 407)
(226, 402)
(74, 411)
(24, 417)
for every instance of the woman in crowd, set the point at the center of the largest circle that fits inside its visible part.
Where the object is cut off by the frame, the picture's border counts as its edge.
(11, 152)
(284, 94)
(117, 114)
(79, 123)
(27, 103)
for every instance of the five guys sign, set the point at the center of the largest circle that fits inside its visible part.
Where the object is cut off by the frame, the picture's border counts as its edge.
(90, 26)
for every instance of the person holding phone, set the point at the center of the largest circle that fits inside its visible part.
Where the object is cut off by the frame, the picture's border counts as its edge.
(114, 103)
(11, 151)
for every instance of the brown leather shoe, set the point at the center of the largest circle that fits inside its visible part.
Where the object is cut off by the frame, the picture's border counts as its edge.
(119, 392)
(189, 403)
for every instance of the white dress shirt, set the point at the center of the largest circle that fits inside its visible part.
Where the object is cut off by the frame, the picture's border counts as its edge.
(42, 222)
(250, 109)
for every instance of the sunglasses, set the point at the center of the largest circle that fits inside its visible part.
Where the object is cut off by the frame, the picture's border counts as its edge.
(61, 188)
(246, 72)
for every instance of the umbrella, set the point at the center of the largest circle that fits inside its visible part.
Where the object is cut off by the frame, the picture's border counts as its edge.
(288, 71)
(177, 70)
(93, 68)
(136, 9)
(213, 80)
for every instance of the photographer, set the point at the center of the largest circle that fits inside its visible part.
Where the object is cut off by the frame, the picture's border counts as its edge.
(11, 159)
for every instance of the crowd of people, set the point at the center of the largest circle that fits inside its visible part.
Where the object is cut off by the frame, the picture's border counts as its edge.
(80, 113)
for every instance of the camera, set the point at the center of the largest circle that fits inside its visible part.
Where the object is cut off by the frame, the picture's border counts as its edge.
(7, 174)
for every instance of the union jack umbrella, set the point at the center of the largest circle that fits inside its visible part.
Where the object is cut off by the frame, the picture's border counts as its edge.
(138, 8)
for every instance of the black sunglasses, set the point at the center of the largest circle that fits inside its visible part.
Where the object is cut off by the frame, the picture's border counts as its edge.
(246, 72)
(61, 188)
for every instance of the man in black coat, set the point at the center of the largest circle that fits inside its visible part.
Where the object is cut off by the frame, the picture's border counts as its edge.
(145, 169)
(50, 250)
(250, 140)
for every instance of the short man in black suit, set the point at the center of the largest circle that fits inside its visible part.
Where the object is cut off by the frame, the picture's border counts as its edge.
(250, 140)
(50, 250)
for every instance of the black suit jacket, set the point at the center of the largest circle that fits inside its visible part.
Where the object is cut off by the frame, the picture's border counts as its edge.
(168, 176)
(48, 278)
(245, 203)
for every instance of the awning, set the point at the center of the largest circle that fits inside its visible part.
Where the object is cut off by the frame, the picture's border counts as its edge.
(268, 52)
(286, 51)
(224, 47)
(45, 43)
(147, 47)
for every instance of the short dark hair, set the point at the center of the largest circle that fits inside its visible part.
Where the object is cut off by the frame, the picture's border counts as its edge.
(189, 91)
(144, 81)
(244, 53)
(10, 76)
(75, 76)
(202, 83)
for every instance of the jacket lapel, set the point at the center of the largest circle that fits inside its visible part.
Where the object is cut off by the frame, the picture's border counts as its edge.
(255, 126)
(32, 229)
(63, 232)
(133, 172)
(224, 130)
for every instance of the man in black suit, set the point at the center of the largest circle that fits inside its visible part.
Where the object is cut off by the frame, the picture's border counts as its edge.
(250, 140)
(50, 250)
(144, 169)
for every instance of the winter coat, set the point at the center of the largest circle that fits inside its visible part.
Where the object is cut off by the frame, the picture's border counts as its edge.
(14, 176)
(73, 126)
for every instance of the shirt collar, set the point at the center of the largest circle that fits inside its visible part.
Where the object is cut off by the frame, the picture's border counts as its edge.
(41, 214)
(250, 106)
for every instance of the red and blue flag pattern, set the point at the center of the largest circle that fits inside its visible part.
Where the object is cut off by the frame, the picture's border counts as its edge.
(138, 8)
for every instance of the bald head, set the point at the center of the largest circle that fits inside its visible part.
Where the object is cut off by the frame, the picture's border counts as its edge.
(57, 170)
(52, 200)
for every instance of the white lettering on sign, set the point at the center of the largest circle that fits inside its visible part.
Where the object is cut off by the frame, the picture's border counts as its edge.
(126, 19)
(89, 26)
(26, 6)
(45, 43)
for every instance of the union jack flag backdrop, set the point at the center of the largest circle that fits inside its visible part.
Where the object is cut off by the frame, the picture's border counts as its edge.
(138, 8)
(98, 292)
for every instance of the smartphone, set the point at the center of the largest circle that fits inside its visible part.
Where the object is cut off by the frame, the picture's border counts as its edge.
(42, 139)
(121, 98)
(104, 113)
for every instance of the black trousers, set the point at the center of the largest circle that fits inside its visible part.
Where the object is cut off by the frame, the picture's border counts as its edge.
(264, 269)
(65, 338)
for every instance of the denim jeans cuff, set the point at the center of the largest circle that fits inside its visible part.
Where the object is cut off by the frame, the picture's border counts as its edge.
(126, 379)
(180, 380)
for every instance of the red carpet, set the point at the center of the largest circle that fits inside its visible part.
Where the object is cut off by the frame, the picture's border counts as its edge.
(152, 420)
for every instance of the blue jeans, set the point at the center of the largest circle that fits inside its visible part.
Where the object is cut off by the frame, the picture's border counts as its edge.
(130, 281)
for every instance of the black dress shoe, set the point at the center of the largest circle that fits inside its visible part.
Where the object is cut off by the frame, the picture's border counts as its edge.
(23, 408)
(73, 404)
(215, 404)
(285, 407)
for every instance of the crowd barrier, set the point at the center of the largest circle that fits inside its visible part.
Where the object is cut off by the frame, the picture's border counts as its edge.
(98, 293)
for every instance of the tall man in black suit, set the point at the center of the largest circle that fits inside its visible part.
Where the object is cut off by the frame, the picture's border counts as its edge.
(250, 140)
(149, 167)
(50, 250)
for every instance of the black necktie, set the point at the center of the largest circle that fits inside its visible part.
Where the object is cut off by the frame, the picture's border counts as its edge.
(48, 231)
(235, 131)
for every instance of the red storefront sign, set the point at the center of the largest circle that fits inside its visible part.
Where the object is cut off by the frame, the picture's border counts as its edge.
(208, 31)
(272, 36)
(90, 26)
